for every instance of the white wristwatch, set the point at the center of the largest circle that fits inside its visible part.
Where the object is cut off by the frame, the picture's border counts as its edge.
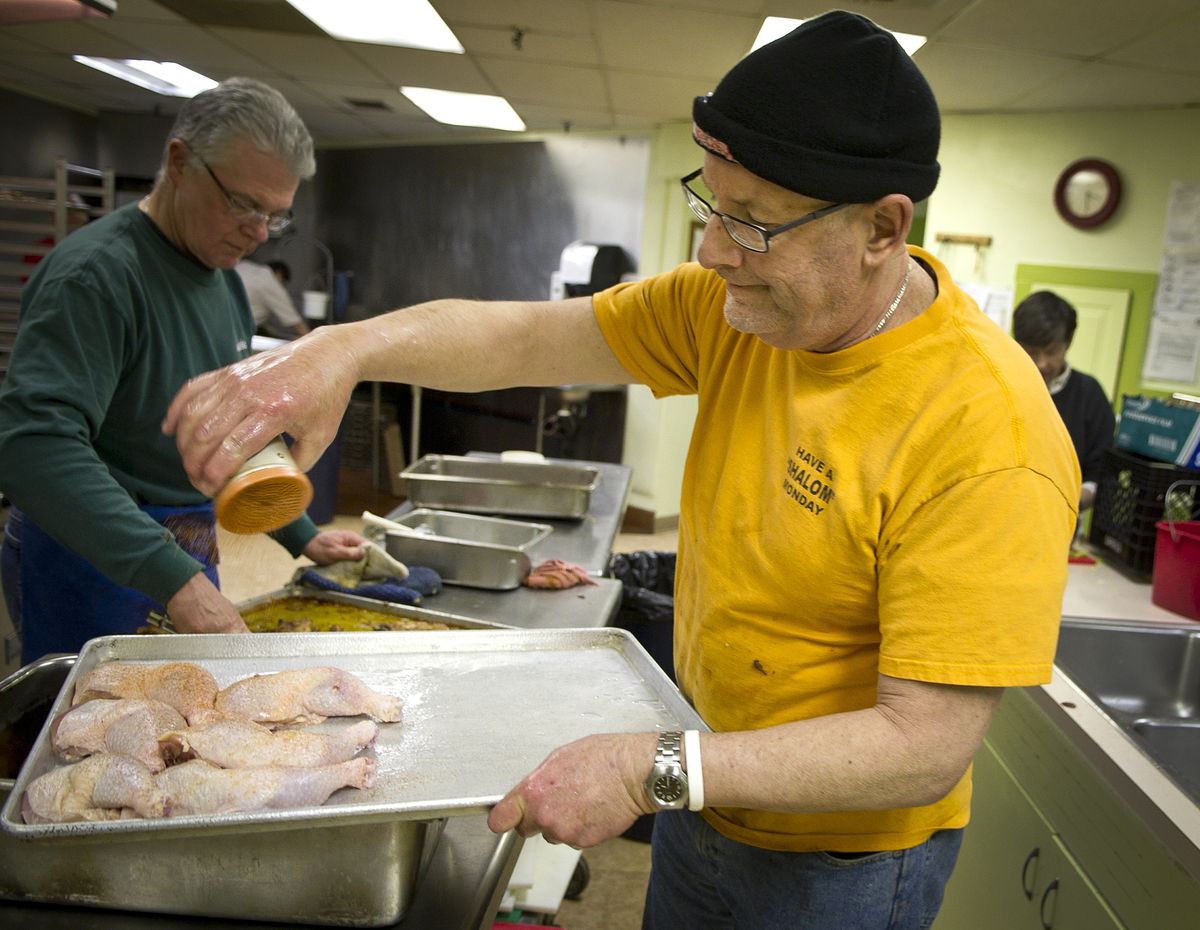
(667, 783)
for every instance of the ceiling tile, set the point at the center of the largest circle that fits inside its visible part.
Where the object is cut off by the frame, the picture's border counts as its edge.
(73, 38)
(147, 10)
(550, 16)
(1077, 29)
(497, 42)
(667, 98)
(635, 37)
(298, 56)
(1172, 46)
(540, 118)
(194, 48)
(966, 77)
(554, 84)
(1097, 85)
(420, 67)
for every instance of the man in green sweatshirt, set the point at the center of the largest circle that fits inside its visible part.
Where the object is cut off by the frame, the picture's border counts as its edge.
(106, 525)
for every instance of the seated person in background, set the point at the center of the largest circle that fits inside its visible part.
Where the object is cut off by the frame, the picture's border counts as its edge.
(1044, 325)
(274, 312)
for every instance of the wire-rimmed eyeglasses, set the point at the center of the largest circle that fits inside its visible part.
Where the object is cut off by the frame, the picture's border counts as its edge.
(243, 208)
(748, 235)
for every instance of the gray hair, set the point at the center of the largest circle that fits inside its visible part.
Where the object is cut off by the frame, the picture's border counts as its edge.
(243, 108)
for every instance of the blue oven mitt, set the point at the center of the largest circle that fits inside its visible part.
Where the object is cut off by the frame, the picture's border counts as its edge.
(376, 575)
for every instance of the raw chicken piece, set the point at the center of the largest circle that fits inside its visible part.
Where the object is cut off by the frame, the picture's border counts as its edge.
(188, 688)
(126, 726)
(103, 787)
(306, 695)
(199, 787)
(235, 743)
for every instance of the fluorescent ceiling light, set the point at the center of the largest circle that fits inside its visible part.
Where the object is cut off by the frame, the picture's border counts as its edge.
(162, 77)
(411, 23)
(456, 109)
(775, 27)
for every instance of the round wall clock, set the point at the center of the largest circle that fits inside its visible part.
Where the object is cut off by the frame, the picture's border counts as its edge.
(1087, 193)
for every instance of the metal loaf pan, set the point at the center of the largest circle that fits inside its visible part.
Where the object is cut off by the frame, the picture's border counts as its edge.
(531, 489)
(476, 720)
(467, 549)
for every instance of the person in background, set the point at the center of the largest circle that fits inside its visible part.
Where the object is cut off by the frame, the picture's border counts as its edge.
(274, 312)
(105, 525)
(1044, 325)
(842, 622)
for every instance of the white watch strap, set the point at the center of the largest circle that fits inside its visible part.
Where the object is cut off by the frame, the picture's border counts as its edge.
(695, 773)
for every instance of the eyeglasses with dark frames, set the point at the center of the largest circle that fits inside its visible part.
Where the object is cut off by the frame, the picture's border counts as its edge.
(748, 235)
(244, 209)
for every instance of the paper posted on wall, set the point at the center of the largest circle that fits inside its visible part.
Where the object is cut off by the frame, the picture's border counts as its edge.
(1173, 350)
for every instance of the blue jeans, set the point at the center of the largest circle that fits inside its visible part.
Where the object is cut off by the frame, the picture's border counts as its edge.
(701, 880)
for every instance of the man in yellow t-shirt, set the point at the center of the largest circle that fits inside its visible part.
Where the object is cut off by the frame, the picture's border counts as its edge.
(876, 508)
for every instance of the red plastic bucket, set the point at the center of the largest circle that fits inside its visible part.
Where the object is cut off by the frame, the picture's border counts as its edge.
(1176, 581)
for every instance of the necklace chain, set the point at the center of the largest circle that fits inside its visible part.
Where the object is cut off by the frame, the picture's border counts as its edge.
(895, 300)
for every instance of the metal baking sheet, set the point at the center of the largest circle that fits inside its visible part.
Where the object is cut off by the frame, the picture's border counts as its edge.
(482, 708)
(467, 549)
(531, 489)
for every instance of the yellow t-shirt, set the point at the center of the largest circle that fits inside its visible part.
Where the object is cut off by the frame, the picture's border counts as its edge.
(902, 506)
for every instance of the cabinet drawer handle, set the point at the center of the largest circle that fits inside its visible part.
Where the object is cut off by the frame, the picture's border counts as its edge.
(1053, 886)
(1026, 879)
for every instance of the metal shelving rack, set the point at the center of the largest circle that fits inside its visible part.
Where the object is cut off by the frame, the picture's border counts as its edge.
(33, 219)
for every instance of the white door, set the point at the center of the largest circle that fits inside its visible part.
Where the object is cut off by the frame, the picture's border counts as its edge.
(1100, 334)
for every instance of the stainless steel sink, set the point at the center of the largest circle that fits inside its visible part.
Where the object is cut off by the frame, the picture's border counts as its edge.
(1147, 679)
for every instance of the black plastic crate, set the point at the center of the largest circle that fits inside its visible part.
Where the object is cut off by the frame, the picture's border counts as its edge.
(1130, 498)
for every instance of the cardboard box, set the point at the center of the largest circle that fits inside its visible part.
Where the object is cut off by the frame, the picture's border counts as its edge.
(1158, 430)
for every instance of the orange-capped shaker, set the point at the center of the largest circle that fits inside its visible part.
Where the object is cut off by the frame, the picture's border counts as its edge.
(268, 492)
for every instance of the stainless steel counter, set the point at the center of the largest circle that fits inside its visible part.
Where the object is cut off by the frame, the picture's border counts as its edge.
(582, 606)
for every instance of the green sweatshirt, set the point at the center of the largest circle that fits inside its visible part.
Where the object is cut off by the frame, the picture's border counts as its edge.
(113, 322)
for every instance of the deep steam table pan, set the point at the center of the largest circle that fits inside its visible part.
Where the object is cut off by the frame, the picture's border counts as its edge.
(476, 719)
(531, 489)
(467, 549)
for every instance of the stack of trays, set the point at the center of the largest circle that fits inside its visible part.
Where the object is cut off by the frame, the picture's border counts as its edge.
(527, 489)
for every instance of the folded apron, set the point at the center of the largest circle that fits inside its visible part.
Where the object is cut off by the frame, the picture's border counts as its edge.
(65, 600)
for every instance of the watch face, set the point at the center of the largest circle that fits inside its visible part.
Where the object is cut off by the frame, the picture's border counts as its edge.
(668, 789)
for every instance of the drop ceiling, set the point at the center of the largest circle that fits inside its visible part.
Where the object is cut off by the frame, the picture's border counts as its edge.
(606, 65)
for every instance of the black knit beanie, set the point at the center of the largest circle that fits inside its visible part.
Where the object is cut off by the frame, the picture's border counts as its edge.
(835, 110)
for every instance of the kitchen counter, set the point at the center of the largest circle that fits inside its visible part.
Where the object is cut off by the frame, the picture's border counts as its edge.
(1102, 592)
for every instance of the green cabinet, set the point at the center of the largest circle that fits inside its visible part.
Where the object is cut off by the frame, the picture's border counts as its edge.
(1053, 845)
(1013, 872)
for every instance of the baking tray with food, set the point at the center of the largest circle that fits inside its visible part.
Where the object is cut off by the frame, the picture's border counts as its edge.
(297, 608)
(474, 721)
(465, 549)
(476, 485)
(461, 693)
